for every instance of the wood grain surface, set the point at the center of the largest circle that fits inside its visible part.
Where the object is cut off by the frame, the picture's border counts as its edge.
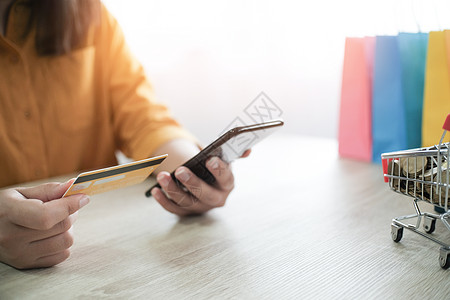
(300, 224)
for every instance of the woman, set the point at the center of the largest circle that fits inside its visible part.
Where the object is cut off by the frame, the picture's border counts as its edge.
(71, 94)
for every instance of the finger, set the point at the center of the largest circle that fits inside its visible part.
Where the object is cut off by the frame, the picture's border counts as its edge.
(35, 214)
(167, 204)
(30, 235)
(222, 172)
(192, 183)
(172, 207)
(51, 260)
(46, 192)
(182, 198)
(59, 228)
(174, 191)
(73, 217)
(208, 195)
(52, 245)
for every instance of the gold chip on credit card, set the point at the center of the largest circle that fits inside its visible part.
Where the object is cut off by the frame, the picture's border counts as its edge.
(107, 179)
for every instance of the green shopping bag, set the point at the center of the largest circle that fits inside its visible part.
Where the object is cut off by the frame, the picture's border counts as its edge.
(413, 49)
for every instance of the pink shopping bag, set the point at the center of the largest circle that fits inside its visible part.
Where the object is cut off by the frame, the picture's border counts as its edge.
(355, 133)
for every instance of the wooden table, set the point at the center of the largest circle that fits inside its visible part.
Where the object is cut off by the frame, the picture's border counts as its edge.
(301, 224)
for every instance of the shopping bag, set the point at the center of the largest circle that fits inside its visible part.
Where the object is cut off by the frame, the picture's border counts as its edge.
(413, 49)
(436, 103)
(388, 110)
(355, 136)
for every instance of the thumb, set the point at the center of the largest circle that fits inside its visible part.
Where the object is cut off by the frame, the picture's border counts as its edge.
(35, 214)
(46, 192)
(61, 209)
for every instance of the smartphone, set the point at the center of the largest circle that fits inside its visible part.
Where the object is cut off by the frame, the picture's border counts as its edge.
(228, 147)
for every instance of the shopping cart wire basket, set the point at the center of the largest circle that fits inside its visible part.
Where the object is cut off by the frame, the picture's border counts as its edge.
(422, 174)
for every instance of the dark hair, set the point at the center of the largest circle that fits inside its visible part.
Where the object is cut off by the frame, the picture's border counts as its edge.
(62, 25)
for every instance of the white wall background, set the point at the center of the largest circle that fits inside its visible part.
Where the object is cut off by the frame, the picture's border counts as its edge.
(208, 59)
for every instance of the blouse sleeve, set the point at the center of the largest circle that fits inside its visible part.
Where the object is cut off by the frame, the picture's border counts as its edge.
(141, 123)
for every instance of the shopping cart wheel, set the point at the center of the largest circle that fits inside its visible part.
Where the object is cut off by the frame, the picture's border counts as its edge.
(396, 232)
(429, 224)
(444, 258)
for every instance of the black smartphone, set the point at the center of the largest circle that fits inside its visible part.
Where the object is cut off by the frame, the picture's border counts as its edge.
(229, 146)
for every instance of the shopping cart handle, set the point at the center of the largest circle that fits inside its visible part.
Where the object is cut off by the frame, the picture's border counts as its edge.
(447, 123)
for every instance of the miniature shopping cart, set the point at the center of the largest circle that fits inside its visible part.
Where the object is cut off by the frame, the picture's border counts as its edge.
(422, 174)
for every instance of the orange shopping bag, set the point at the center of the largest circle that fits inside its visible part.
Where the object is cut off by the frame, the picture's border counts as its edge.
(436, 103)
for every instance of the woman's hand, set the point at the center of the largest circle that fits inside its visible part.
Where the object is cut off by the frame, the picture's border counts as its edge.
(201, 196)
(35, 223)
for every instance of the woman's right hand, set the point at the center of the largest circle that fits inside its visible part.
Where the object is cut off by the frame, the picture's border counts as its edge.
(35, 223)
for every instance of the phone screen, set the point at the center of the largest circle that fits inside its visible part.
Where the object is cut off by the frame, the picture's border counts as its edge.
(228, 147)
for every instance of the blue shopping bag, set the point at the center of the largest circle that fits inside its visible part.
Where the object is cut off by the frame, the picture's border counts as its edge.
(388, 109)
(413, 53)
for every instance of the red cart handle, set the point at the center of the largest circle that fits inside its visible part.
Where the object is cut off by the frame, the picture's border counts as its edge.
(447, 123)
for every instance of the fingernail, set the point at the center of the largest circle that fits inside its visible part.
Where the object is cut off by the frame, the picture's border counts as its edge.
(214, 163)
(183, 175)
(162, 179)
(84, 200)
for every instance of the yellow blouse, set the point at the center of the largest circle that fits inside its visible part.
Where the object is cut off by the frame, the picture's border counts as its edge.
(62, 114)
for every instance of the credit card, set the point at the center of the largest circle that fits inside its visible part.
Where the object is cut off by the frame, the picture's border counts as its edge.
(108, 179)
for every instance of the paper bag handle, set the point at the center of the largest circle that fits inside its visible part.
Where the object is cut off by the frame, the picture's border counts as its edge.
(447, 123)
